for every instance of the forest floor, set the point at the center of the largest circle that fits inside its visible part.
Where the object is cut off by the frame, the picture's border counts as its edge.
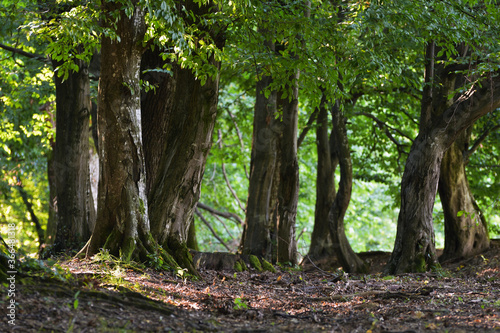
(105, 297)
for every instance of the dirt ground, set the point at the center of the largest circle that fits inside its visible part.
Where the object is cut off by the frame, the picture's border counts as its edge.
(463, 297)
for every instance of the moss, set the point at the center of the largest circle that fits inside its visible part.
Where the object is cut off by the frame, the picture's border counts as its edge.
(255, 262)
(237, 267)
(243, 265)
(266, 265)
(127, 249)
(181, 254)
(419, 265)
(142, 209)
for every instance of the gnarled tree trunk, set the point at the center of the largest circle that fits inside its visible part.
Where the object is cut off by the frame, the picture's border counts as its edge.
(466, 234)
(347, 257)
(414, 249)
(179, 119)
(122, 225)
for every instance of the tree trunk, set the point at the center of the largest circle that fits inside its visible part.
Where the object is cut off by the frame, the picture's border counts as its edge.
(321, 240)
(414, 249)
(259, 228)
(75, 213)
(466, 234)
(288, 192)
(122, 225)
(348, 258)
(178, 138)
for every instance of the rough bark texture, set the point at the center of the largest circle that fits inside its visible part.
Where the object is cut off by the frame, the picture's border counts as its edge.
(178, 138)
(75, 212)
(122, 225)
(347, 257)
(321, 240)
(288, 191)
(439, 127)
(467, 234)
(259, 228)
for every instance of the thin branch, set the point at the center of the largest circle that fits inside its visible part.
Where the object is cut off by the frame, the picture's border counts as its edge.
(381, 124)
(478, 142)
(224, 225)
(202, 218)
(231, 188)
(238, 132)
(226, 215)
(24, 53)
(233, 192)
(308, 126)
(34, 218)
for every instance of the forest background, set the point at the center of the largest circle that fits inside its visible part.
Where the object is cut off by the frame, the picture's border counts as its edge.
(371, 56)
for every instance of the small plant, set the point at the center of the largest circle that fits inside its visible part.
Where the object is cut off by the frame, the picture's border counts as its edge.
(45, 269)
(239, 304)
(155, 261)
(75, 302)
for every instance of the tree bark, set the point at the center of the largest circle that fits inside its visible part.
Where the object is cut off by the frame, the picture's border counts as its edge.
(259, 228)
(321, 240)
(414, 249)
(75, 213)
(348, 258)
(288, 191)
(122, 225)
(466, 234)
(178, 138)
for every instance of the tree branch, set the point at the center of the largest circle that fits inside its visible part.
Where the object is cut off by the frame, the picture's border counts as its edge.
(202, 218)
(382, 124)
(238, 132)
(478, 142)
(29, 207)
(24, 53)
(231, 188)
(226, 215)
(308, 126)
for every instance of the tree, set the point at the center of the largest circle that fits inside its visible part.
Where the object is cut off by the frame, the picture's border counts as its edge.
(274, 171)
(122, 224)
(259, 231)
(179, 117)
(71, 210)
(350, 261)
(414, 248)
(75, 206)
(466, 231)
(321, 241)
(26, 95)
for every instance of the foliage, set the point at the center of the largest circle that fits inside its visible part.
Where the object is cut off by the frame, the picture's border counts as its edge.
(368, 55)
(26, 125)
